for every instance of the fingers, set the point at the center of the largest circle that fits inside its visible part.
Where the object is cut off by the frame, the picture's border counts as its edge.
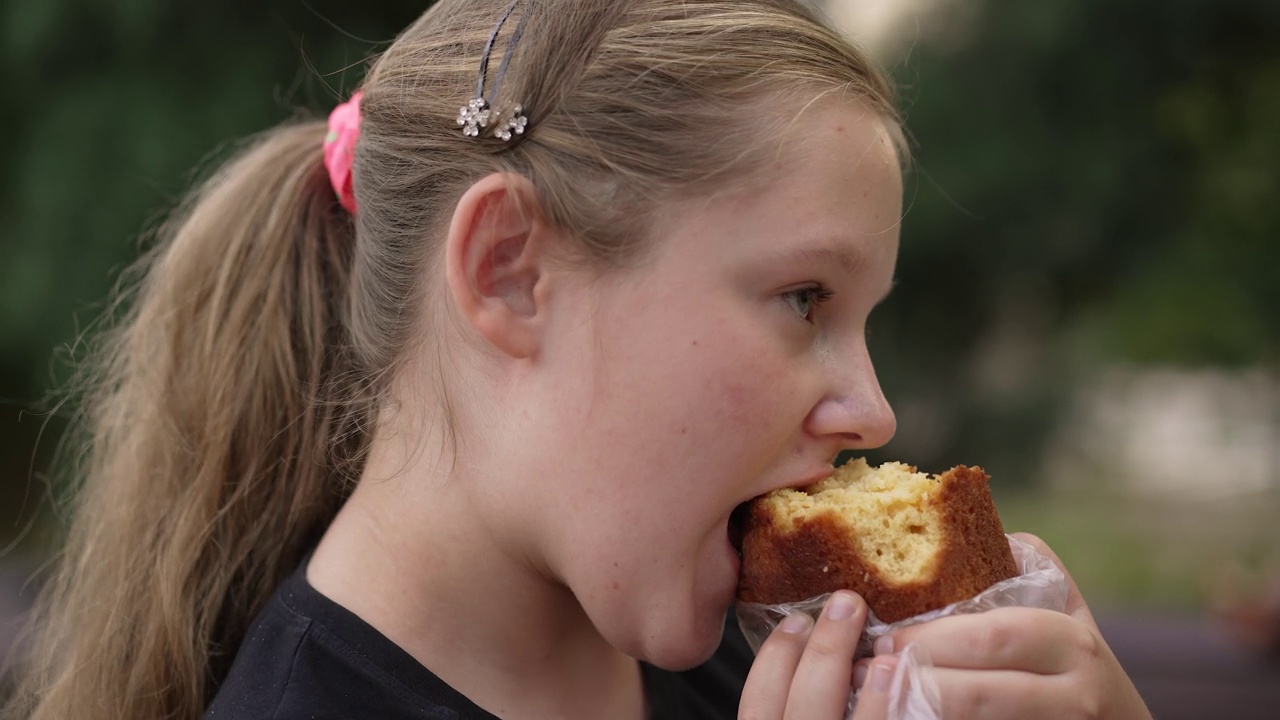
(1120, 693)
(1010, 695)
(821, 685)
(988, 694)
(803, 669)
(764, 695)
(1031, 640)
(873, 701)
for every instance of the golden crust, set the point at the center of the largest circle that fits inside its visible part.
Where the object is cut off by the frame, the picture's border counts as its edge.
(816, 556)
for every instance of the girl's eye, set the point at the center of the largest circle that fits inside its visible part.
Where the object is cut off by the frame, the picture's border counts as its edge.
(805, 300)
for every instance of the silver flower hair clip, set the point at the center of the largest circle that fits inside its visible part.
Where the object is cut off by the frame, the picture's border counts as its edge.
(514, 125)
(474, 118)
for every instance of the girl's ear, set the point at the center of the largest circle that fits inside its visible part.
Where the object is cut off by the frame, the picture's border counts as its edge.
(496, 259)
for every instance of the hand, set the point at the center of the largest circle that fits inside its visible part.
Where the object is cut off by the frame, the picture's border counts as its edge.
(1023, 662)
(804, 671)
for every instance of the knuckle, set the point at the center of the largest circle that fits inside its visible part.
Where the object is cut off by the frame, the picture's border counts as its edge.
(828, 645)
(997, 641)
(1087, 643)
(1087, 702)
(973, 702)
(1087, 708)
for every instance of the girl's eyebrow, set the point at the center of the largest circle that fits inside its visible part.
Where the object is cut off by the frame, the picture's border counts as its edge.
(842, 256)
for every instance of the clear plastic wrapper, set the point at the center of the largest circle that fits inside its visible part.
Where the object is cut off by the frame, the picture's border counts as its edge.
(913, 694)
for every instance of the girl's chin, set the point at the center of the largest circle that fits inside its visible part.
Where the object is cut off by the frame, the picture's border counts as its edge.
(688, 650)
(674, 640)
(696, 639)
(684, 635)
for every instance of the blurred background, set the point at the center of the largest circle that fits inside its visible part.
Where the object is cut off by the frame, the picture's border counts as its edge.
(1088, 302)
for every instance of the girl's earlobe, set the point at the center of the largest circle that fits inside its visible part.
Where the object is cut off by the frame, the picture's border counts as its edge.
(496, 260)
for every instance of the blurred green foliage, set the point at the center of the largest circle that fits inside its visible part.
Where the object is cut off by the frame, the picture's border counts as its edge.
(111, 111)
(1093, 181)
(1096, 182)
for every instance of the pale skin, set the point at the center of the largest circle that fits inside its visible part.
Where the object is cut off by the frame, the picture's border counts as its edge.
(609, 421)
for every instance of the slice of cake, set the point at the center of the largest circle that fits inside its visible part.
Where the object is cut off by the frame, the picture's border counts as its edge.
(906, 542)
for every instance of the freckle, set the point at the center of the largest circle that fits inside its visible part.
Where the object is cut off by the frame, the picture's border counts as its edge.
(695, 343)
(684, 430)
(840, 129)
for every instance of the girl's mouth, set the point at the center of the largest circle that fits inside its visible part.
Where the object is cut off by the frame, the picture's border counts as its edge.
(737, 519)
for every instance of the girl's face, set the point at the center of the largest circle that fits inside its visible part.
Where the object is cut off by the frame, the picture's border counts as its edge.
(733, 361)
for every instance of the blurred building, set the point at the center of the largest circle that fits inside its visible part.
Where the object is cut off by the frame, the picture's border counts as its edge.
(1188, 435)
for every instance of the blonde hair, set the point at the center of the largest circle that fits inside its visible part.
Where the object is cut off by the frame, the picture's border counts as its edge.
(228, 411)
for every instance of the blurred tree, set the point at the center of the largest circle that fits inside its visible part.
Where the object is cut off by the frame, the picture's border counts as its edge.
(1096, 181)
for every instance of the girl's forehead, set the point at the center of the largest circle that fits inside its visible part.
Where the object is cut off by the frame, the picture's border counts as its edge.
(829, 194)
(838, 175)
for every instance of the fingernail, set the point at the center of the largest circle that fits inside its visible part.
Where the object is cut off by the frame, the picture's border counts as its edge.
(883, 645)
(881, 676)
(841, 606)
(794, 624)
(859, 675)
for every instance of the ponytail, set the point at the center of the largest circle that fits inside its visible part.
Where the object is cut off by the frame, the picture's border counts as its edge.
(222, 431)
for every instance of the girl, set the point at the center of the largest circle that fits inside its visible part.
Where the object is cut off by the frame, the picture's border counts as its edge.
(442, 409)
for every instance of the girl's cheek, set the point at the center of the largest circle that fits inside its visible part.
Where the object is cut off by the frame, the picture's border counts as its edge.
(758, 409)
(745, 402)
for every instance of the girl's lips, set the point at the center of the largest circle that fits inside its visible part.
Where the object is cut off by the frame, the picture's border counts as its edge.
(733, 552)
(813, 478)
(736, 520)
(738, 517)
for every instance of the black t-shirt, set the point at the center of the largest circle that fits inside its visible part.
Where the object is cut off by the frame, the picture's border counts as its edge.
(308, 657)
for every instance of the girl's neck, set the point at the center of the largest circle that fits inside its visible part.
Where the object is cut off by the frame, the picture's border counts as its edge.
(426, 574)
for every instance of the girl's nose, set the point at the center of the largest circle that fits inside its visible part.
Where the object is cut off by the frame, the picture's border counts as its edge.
(857, 413)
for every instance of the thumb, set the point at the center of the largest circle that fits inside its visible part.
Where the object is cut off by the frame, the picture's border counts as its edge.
(873, 700)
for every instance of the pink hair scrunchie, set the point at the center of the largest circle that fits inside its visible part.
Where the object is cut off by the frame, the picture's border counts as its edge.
(340, 149)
